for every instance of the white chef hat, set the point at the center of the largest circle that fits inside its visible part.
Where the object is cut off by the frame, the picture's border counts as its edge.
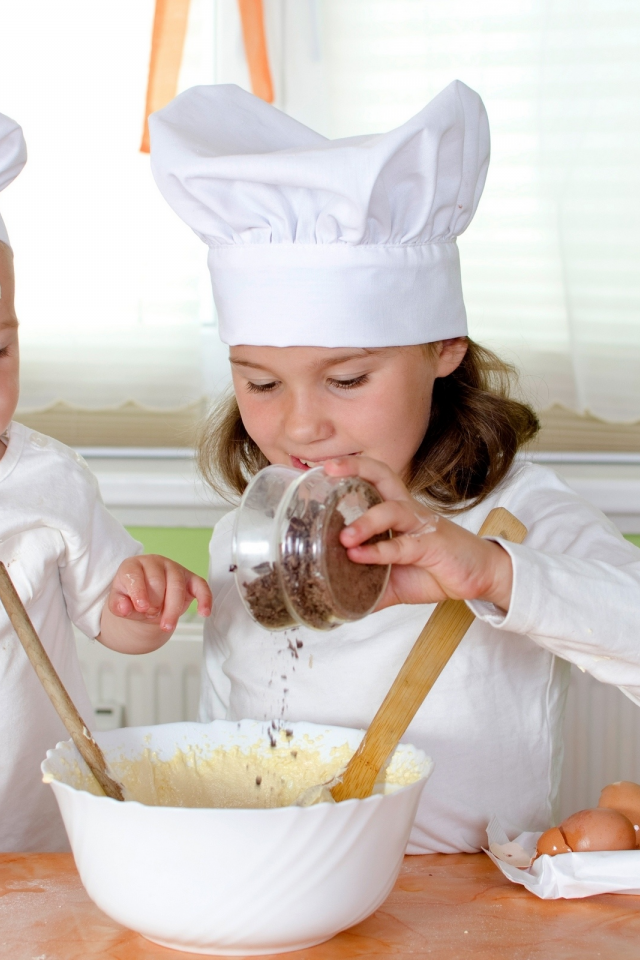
(13, 156)
(323, 242)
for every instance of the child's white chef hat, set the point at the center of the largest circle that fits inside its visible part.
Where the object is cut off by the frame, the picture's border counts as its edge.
(323, 242)
(13, 156)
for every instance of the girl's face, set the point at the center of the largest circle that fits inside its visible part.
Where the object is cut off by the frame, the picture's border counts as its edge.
(304, 405)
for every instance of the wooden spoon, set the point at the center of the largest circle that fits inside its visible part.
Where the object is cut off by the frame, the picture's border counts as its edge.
(440, 637)
(87, 747)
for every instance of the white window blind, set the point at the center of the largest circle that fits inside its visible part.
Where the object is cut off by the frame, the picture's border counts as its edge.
(551, 263)
(113, 292)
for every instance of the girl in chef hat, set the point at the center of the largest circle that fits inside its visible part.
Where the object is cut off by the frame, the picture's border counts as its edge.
(336, 278)
(71, 563)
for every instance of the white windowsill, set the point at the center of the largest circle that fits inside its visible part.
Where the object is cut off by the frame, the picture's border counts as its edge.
(162, 488)
(157, 491)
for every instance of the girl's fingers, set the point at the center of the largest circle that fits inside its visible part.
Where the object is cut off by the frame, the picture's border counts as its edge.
(138, 589)
(120, 605)
(155, 576)
(176, 599)
(401, 550)
(199, 590)
(411, 585)
(131, 583)
(401, 516)
(153, 588)
(182, 586)
(430, 557)
(388, 483)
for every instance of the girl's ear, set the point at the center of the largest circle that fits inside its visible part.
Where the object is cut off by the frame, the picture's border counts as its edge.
(450, 354)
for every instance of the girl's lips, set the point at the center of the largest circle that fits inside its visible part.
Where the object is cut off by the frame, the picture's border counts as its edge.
(310, 464)
(298, 464)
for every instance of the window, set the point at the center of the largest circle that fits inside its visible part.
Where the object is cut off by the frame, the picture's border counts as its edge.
(113, 291)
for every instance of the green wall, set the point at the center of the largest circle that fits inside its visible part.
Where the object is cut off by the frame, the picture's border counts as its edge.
(186, 545)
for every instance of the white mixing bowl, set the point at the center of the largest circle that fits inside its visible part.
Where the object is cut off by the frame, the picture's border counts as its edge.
(234, 881)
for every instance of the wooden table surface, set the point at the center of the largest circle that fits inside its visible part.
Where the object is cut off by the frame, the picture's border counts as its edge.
(456, 907)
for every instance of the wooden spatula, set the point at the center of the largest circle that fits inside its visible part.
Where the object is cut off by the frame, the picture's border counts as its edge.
(87, 747)
(441, 635)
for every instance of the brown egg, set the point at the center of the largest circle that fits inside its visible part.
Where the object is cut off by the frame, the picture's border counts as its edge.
(599, 829)
(551, 842)
(624, 796)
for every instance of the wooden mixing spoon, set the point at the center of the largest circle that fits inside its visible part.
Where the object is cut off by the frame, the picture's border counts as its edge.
(86, 745)
(432, 650)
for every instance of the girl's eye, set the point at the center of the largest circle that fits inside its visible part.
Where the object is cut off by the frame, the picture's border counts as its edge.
(350, 384)
(261, 387)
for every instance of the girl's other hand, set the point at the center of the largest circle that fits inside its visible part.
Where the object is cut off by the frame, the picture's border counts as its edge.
(148, 595)
(432, 558)
(156, 590)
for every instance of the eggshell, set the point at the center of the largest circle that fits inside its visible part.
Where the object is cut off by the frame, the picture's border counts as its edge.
(551, 842)
(624, 796)
(599, 829)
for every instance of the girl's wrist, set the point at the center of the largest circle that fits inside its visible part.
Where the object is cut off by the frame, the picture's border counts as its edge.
(130, 636)
(499, 594)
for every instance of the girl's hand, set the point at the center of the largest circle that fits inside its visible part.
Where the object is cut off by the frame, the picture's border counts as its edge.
(148, 595)
(432, 558)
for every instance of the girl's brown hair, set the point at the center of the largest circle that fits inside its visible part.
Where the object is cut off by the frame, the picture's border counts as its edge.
(475, 429)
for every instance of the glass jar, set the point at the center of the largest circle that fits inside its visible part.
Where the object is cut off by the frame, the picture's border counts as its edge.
(289, 564)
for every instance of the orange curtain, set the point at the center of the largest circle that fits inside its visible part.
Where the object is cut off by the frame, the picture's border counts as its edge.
(255, 45)
(167, 44)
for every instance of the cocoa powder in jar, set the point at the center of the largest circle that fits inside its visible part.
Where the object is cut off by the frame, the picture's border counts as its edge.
(323, 586)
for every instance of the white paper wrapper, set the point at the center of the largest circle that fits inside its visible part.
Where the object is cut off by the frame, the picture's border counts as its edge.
(568, 875)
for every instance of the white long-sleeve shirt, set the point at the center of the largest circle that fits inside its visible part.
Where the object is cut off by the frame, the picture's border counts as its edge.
(493, 720)
(62, 549)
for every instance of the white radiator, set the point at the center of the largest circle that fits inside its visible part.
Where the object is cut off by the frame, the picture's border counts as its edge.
(159, 687)
(601, 741)
(602, 726)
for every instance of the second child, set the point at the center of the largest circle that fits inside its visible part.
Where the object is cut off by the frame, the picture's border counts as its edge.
(72, 564)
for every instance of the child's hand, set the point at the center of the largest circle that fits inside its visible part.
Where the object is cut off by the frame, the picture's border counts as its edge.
(433, 558)
(156, 590)
(148, 595)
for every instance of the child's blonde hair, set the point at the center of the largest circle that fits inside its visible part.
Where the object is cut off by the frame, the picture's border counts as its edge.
(7, 286)
(475, 429)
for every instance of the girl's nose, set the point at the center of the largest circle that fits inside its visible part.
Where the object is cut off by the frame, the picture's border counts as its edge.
(306, 421)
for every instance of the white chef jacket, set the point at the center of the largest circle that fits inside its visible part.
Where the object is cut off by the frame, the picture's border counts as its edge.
(62, 549)
(493, 720)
